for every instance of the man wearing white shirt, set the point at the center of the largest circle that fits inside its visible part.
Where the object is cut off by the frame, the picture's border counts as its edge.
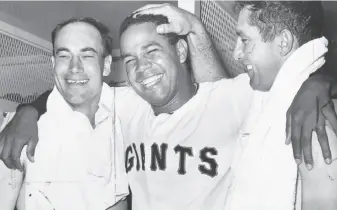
(263, 47)
(177, 155)
(79, 119)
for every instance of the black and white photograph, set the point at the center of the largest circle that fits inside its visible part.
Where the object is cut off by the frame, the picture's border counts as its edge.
(168, 105)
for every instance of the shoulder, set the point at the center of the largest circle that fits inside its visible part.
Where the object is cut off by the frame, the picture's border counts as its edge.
(230, 87)
(235, 91)
(128, 102)
(240, 80)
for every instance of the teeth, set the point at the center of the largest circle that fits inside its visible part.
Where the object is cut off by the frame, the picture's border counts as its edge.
(152, 80)
(77, 81)
(249, 67)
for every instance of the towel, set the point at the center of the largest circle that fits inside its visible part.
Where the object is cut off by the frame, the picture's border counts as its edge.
(75, 166)
(264, 172)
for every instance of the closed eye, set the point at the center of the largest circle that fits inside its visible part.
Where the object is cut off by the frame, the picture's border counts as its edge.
(88, 56)
(63, 56)
(128, 61)
(151, 51)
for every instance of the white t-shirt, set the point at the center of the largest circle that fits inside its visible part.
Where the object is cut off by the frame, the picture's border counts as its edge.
(182, 160)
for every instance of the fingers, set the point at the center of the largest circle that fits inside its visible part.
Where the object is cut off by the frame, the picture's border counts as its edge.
(323, 141)
(154, 9)
(296, 143)
(168, 28)
(288, 128)
(330, 114)
(15, 155)
(31, 149)
(5, 154)
(306, 143)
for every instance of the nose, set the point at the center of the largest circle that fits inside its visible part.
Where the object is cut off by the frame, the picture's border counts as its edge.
(143, 64)
(76, 65)
(238, 51)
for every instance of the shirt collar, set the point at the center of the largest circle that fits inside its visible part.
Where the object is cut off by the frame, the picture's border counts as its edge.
(105, 104)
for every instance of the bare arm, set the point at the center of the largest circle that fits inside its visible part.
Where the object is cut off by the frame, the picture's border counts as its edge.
(21, 131)
(310, 108)
(206, 63)
(40, 104)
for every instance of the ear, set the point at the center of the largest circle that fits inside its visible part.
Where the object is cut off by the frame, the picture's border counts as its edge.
(182, 50)
(53, 61)
(107, 65)
(285, 42)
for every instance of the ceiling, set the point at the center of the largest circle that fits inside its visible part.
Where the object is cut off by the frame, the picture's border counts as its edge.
(40, 17)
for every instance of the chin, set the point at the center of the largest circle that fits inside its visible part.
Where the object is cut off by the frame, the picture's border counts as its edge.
(158, 101)
(258, 87)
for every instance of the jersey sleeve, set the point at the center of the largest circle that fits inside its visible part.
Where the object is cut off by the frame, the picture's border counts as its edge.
(128, 103)
(238, 93)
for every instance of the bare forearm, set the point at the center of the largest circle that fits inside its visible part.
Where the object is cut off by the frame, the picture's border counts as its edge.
(38, 106)
(206, 63)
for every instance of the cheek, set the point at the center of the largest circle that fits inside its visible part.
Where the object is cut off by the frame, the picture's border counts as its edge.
(93, 64)
(131, 74)
(169, 66)
(60, 70)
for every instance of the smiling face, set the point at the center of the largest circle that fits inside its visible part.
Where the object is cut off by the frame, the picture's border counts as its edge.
(262, 60)
(154, 66)
(79, 64)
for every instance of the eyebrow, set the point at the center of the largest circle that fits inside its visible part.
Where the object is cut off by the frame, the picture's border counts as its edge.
(125, 55)
(86, 49)
(152, 43)
(61, 49)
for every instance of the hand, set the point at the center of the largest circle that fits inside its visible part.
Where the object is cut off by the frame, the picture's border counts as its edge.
(181, 22)
(21, 131)
(310, 108)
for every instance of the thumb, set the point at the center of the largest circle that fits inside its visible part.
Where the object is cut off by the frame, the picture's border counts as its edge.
(168, 28)
(31, 148)
(330, 114)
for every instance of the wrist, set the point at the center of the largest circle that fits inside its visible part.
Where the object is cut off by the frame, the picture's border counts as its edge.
(27, 112)
(197, 27)
(320, 82)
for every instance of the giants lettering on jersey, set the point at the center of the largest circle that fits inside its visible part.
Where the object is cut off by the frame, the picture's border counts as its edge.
(135, 158)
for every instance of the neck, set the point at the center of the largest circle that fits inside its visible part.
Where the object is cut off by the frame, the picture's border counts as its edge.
(183, 95)
(89, 109)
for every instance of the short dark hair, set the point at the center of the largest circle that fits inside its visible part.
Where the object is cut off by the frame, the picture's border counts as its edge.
(304, 19)
(101, 27)
(149, 18)
(157, 20)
